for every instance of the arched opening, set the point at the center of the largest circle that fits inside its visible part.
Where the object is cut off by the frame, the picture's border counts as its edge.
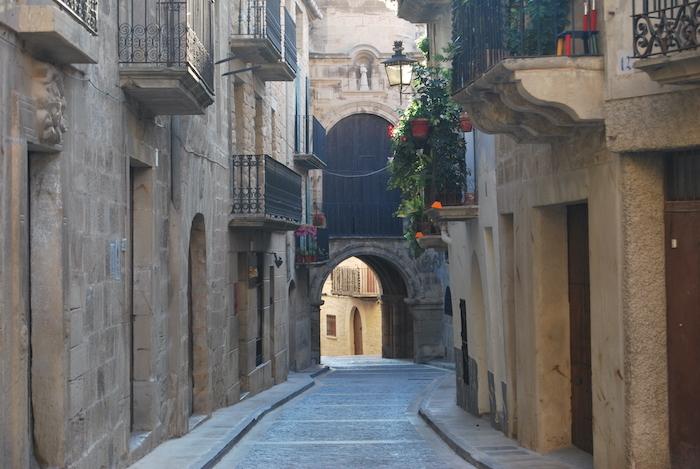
(197, 302)
(351, 299)
(363, 309)
(357, 331)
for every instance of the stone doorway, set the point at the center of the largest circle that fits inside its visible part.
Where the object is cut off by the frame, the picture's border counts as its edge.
(197, 303)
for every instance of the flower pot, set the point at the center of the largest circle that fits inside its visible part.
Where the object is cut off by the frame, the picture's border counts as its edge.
(420, 127)
(319, 220)
(465, 123)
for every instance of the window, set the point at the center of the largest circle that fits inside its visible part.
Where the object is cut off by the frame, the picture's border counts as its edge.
(330, 325)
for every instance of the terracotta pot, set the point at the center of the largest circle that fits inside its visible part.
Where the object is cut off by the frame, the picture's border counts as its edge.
(465, 123)
(319, 220)
(420, 127)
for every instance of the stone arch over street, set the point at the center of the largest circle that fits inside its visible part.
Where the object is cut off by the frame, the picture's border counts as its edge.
(411, 300)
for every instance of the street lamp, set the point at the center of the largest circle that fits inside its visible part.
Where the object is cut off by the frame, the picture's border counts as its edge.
(399, 68)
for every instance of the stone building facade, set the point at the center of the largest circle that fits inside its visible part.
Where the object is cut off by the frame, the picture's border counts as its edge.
(351, 315)
(137, 296)
(349, 81)
(585, 216)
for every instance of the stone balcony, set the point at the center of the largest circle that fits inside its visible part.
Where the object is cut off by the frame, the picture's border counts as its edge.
(421, 11)
(165, 64)
(258, 39)
(177, 81)
(665, 41)
(56, 31)
(537, 99)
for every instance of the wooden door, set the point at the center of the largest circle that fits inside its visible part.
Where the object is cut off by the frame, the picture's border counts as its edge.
(355, 195)
(465, 340)
(580, 327)
(683, 331)
(357, 331)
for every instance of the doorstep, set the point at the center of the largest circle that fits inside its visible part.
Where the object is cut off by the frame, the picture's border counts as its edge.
(477, 442)
(211, 440)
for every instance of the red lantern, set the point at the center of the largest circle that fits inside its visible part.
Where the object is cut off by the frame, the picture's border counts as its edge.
(465, 123)
(420, 127)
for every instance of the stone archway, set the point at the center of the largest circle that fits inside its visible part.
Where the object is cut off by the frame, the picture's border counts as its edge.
(411, 301)
(331, 116)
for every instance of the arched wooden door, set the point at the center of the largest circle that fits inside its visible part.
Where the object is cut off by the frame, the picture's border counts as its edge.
(357, 331)
(355, 195)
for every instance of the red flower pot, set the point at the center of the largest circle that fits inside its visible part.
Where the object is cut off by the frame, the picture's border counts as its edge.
(465, 123)
(420, 127)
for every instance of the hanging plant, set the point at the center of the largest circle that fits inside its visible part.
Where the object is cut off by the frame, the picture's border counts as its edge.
(427, 166)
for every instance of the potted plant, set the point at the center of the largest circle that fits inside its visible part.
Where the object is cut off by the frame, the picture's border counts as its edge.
(319, 220)
(420, 128)
(465, 123)
(433, 169)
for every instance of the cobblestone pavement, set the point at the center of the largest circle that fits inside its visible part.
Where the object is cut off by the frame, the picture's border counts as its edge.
(360, 415)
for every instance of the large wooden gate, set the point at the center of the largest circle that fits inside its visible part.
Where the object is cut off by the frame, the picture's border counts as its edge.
(580, 327)
(357, 203)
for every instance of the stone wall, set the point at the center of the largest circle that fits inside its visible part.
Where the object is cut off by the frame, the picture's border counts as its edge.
(68, 292)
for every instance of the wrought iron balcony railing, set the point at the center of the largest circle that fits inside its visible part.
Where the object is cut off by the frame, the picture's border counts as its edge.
(158, 33)
(290, 41)
(488, 31)
(84, 11)
(265, 190)
(665, 26)
(260, 19)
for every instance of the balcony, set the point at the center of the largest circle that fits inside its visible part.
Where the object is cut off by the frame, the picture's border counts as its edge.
(421, 11)
(164, 63)
(666, 35)
(266, 194)
(523, 69)
(57, 31)
(311, 245)
(309, 143)
(258, 39)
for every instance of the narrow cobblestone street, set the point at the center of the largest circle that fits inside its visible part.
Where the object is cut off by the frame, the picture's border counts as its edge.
(361, 414)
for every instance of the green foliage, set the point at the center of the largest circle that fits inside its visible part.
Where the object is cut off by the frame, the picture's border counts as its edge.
(542, 21)
(421, 170)
(423, 45)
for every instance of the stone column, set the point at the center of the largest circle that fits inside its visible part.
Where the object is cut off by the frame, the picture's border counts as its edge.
(427, 328)
(315, 323)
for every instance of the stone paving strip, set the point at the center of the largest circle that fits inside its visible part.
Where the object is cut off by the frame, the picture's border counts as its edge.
(208, 442)
(361, 415)
(480, 444)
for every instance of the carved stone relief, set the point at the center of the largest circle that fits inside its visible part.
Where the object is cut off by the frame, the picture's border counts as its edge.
(48, 93)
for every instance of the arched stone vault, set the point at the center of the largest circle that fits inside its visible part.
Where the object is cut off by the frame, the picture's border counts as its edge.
(410, 289)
